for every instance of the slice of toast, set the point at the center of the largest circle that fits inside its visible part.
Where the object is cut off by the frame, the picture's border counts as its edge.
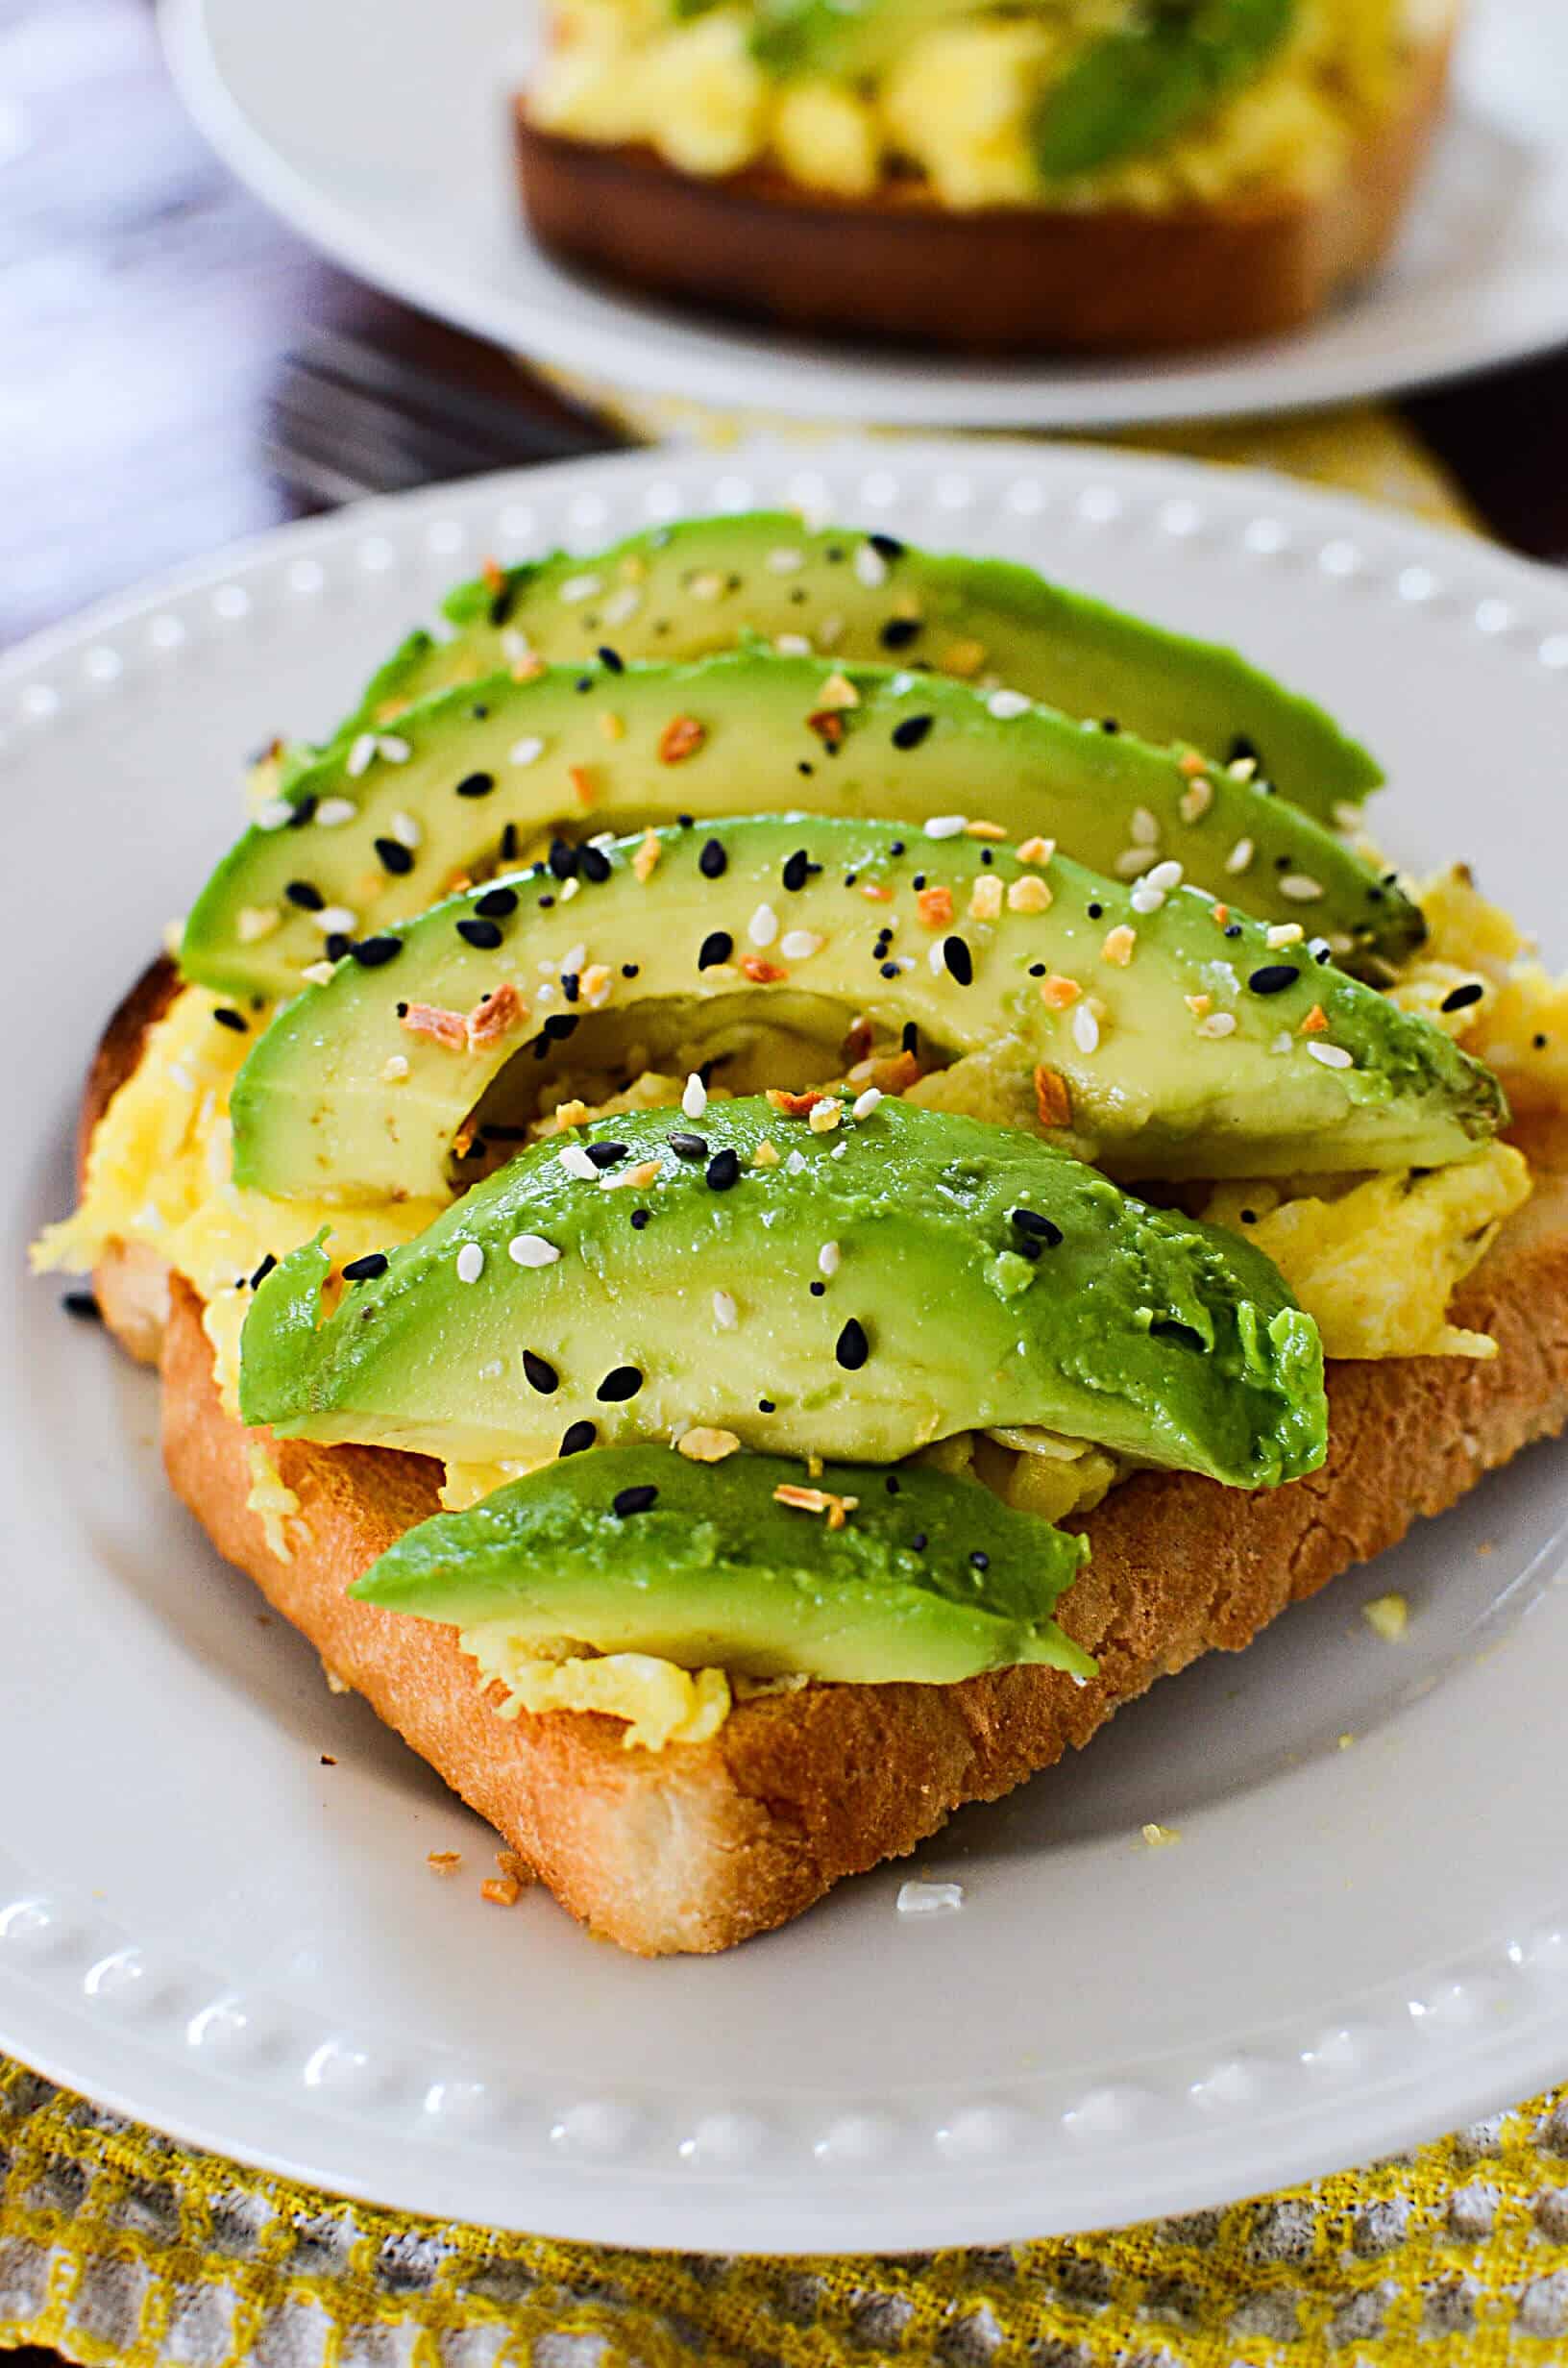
(700, 1846)
(1003, 278)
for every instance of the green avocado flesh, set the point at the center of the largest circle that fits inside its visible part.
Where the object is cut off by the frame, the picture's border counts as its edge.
(473, 778)
(972, 1276)
(354, 1092)
(1152, 78)
(706, 1568)
(682, 592)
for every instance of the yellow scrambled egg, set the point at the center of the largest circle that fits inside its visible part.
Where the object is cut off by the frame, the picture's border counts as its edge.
(1478, 977)
(956, 104)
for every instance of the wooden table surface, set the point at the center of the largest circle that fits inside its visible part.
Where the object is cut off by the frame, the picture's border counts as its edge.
(148, 306)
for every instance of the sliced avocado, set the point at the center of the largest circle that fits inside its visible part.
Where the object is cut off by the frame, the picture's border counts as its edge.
(1152, 78)
(469, 780)
(636, 1550)
(682, 592)
(651, 1274)
(361, 1087)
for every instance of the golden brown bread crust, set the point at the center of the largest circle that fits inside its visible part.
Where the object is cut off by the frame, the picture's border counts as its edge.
(1019, 279)
(131, 1284)
(701, 1847)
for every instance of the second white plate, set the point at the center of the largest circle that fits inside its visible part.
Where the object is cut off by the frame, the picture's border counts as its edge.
(379, 128)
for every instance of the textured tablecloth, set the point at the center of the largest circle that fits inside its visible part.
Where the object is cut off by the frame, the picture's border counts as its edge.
(116, 2245)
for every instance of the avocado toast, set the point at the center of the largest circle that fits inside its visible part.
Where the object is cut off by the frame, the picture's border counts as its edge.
(728, 1429)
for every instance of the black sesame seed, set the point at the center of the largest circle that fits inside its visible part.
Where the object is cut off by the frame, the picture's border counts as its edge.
(917, 882)
(687, 1147)
(988, 856)
(802, 767)
(394, 857)
(723, 1170)
(890, 969)
(508, 843)
(402, 1011)
(365, 1269)
(919, 1543)
(1233, 928)
(595, 865)
(852, 1347)
(887, 546)
(765, 1406)
(635, 1500)
(83, 1305)
(564, 858)
(850, 878)
(797, 870)
(630, 970)
(618, 1385)
(890, 1484)
(716, 947)
(1460, 998)
(1036, 970)
(1107, 723)
(262, 1271)
(476, 785)
(1539, 1042)
(910, 1039)
(1039, 1229)
(895, 847)
(1273, 977)
(606, 1154)
(1242, 749)
(577, 1438)
(686, 821)
(639, 1218)
(898, 632)
(226, 1017)
(481, 933)
(1030, 1248)
(495, 903)
(611, 660)
(980, 1560)
(571, 985)
(712, 862)
(500, 608)
(544, 903)
(912, 731)
(308, 897)
(1095, 911)
(305, 812)
(372, 952)
(559, 1026)
(1249, 1216)
(540, 1374)
(337, 945)
(959, 960)
(583, 682)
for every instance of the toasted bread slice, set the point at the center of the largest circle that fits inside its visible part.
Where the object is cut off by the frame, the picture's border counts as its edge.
(1000, 280)
(700, 1846)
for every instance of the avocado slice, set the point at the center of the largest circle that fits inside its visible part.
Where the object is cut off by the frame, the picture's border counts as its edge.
(686, 591)
(636, 1550)
(1142, 84)
(361, 1087)
(470, 779)
(647, 1276)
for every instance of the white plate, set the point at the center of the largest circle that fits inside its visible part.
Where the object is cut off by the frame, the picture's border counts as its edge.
(379, 128)
(204, 1925)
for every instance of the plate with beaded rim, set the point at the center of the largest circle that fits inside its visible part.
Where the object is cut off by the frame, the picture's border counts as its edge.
(390, 151)
(215, 1911)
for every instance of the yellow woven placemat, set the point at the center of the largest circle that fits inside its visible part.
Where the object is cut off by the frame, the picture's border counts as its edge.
(117, 2246)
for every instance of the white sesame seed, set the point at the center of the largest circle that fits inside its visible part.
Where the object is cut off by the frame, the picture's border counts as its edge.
(568, 889)
(1134, 862)
(921, 1898)
(470, 1263)
(793, 645)
(333, 812)
(275, 815)
(571, 964)
(1283, 1042)
(1243, 768)
(580, 588)
(514, 646)
(493, 1368)
(602, 839)
(336, 918)
(526, 752)
(829, 1258)
(799, 945)
(763, 926)
(405, 830)
(794, 1164)
(864, 1104)
(396, 750)
(946, 825)
(531, 1249)
(1331, 1056)
(870, 566)
(360, 756)
(936, 959)
(576, 1162)
(901, 685)
(838, 1151)
(1297, 889)
(1164, 876)
(1218, 1023)
(1240, 856)
(1085, 1029)
(1004, 705)
(255, 922)
(317, 973)
(1144, 828)
(726, 1314)
(1284, 934)
(695, 1100)
(784, 562)
(394, 1068)
(1347, 815)
(623, 606)
(1146, 900)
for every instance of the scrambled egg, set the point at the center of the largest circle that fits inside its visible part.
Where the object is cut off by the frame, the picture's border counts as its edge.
(660, 1702)
(955, 106)
(1479, 978)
